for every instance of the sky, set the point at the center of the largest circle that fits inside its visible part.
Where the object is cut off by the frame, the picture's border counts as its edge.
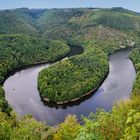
(133, 5)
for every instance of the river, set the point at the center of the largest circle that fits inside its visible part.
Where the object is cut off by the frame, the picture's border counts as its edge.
(22, 94)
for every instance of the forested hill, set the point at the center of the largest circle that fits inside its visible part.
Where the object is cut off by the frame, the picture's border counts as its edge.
(73, 24)
(34, 21)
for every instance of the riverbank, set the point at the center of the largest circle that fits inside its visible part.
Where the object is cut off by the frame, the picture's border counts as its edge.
(74, 101)
(84, 96)
(26, 66)
(70, 78)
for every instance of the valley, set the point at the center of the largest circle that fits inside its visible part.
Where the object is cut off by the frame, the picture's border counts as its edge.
(53, 56)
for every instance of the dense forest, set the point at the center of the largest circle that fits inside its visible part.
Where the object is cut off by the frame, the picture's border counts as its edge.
(71, 78)
(19, 50)
(35, 36)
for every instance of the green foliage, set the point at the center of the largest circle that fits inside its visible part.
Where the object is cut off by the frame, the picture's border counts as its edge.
(117, 21)
(57, 49)
(132, 126)
(135, 56)
(26, 128)
(25, 50)
(5, 126)
(72, 78)
(136, 88)
(68, 129)
(4, 107)
(12, 23)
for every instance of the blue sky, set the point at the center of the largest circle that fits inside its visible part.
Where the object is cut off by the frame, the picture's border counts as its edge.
(129, 4)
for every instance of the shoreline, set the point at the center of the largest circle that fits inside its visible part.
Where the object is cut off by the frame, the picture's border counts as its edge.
(26, 66)
(84, 96)
(81, 98)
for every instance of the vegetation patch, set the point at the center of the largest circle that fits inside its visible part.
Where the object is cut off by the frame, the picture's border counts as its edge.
(72, 78)
(19, 50)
